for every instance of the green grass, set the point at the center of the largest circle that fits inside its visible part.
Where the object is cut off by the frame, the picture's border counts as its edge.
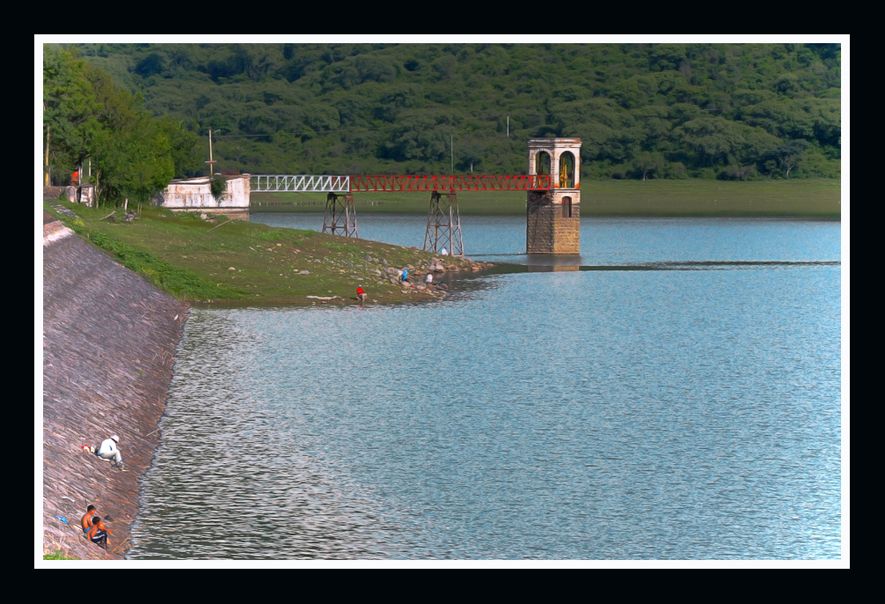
(817, 197)
(238, 263)
(57, 555)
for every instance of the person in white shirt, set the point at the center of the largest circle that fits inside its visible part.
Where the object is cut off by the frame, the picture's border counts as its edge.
(429, 279)
(108, 450)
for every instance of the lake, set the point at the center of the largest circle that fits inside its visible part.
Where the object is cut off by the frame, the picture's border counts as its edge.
(685, 413)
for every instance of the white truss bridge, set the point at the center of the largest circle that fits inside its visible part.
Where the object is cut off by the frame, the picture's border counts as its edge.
(299, 183)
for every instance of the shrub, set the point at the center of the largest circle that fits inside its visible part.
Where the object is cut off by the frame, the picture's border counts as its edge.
(736, 172)
(218, 186)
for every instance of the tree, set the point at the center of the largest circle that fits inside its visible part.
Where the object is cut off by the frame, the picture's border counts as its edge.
(705, 108)
(650, 164)
(185, 146)
(135, 163)
(788, 154)
(87, 115)
(716, 141)
(69, 110)
(150, 65)
(217, 186)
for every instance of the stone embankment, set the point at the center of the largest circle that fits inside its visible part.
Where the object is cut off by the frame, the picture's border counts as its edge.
(109, 339)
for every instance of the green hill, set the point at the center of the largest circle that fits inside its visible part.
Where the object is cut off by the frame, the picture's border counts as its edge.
(730, 111)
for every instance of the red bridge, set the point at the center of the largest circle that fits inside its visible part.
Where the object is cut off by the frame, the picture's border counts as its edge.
(443, 220)
(360, 183)
(552, 184)
(457, 182)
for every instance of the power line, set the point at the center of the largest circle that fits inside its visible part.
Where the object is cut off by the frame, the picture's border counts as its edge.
(315, 133)
(247, 135)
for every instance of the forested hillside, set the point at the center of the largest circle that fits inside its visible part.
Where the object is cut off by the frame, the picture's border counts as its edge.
(731, 111)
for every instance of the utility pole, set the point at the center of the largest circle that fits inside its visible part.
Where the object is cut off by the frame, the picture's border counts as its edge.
(452, 147)
(211, 161)
(46, 170)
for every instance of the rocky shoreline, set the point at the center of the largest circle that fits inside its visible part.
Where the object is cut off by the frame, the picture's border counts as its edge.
(109, 340)
(438, 268)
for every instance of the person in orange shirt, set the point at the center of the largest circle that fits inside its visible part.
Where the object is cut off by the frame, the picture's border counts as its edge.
(98, 534)
(86, 520)
(75, 177)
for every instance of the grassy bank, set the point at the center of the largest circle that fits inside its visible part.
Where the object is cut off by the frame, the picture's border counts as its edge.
(818, 198)
(237, 263)
(57, 555)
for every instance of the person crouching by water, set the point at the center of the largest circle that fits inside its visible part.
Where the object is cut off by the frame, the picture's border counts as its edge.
(361, 294)
(86, 520)
(428, 279)
(108, 450)
(99, 532)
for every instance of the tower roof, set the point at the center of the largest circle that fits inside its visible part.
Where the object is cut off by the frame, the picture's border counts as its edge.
(553, 142)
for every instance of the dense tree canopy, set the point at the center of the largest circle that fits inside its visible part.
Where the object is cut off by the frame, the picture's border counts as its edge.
(642, 110)
(88, 116)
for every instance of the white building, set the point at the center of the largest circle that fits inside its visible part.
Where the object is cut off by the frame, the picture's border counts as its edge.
(195, 195)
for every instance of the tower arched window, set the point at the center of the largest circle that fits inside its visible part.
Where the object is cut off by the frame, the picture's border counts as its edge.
(566, 170)
(542, 163)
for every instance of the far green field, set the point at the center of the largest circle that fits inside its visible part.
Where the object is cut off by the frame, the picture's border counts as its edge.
(799, 197)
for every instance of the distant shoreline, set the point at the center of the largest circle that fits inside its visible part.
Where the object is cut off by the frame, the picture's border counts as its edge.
(817, 198)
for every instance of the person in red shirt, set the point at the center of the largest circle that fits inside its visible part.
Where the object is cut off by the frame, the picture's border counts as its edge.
(86, 520)
(75, 177)
(98, 534)
(360, 294)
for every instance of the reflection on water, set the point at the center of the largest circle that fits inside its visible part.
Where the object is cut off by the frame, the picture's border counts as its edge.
(553, 262)
(595, 414)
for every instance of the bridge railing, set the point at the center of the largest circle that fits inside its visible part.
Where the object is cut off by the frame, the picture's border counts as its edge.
(362, 183)
(299, 183)
(454, 182)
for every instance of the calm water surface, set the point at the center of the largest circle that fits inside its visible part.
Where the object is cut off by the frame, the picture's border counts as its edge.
(606, 241)
(556, 415)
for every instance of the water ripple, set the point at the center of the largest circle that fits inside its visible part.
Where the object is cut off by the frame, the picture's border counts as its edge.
(574, 415)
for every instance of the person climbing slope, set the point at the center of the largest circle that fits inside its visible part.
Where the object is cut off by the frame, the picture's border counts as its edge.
(108, 450)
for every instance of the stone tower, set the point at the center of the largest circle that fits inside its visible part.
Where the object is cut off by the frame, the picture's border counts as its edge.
(553, 216)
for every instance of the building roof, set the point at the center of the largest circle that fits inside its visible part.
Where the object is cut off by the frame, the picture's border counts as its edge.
(202, 180)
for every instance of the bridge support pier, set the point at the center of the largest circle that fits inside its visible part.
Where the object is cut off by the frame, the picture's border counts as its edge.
(444, 224)
(553, 222)
(339, 217)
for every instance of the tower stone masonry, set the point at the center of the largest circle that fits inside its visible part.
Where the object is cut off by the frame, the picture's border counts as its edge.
(553, 216)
